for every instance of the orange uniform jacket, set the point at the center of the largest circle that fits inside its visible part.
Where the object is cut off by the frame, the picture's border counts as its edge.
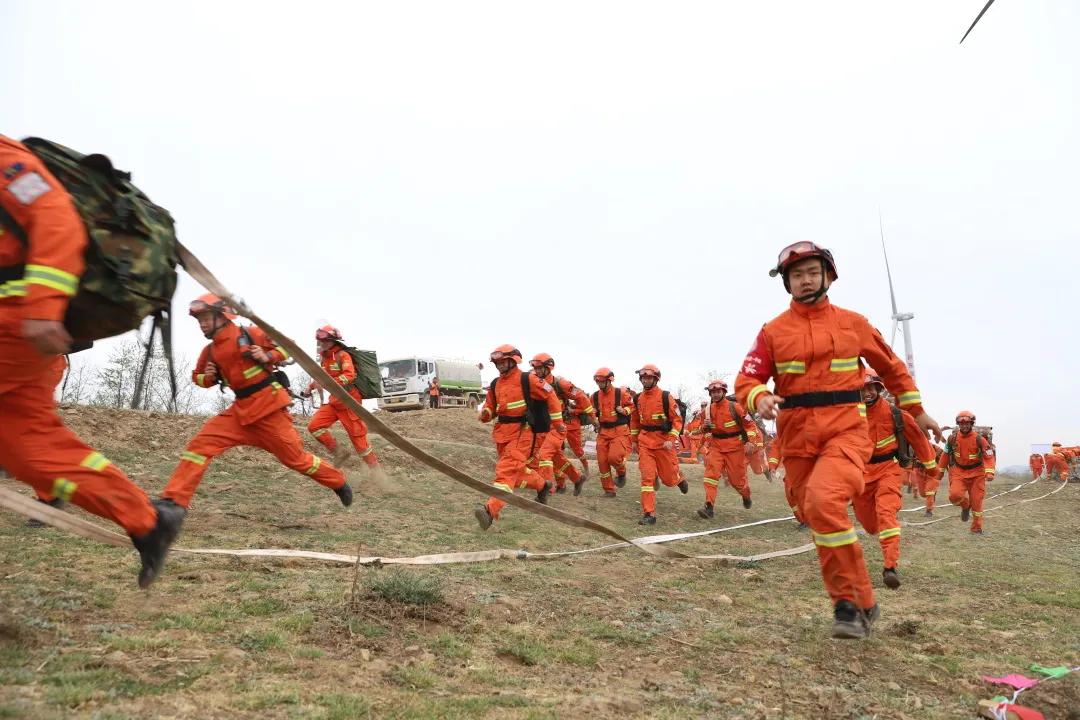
(604, 404)
(434, 391)
(508, 404)
(567, 392)
(36, 283)
(813, 348)
(648, 416)
(966, 456)
(720, 422)
(339, 365)
(239, 372)
(879, 419)
(582, 405)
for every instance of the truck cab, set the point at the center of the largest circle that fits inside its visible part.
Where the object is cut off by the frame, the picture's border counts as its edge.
(406, 381)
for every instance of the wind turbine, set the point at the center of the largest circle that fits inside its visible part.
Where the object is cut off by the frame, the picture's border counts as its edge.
(898, 317)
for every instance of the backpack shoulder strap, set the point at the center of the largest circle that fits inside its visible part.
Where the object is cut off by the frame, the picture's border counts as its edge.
(596, 401)
(738, 421)
(525, 394)
(16, 229)
(665, 404)
(897, 422)
(618, 397)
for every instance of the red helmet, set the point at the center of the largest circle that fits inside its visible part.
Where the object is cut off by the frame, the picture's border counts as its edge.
(717, 385)
(328, 332)
(209, 302)
(649, 369)
(800, 251)
(965, 415)
(872, 378)
(543, 359)
(603, 374)
(506, 352)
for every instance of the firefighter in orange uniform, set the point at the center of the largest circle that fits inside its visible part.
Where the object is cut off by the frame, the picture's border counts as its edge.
(339, 365)
(695, 431)
(577, 410)
(548, 456)
(613, 409)
(1056, 463)
(509, 397)
(728, 432)
(244, 359)
(970, 459)
(929, 482)
(654, 426)
(876, 507)
(42, 240)
(433, 394)
(813, 351)
(1035, 462)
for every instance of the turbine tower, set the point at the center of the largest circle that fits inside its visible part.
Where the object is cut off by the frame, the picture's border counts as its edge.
(898, 317)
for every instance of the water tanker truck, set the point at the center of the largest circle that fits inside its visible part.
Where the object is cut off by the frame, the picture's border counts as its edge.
(406, 381)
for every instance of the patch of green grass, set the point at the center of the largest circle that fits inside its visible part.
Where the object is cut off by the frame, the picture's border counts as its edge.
(600, 630)
(138, 643)
(261, 641)
(1062, 598)
(451, 646)
(368, 630)
(186, 621)
(343, 707)
(268, 699)
(407, 588)
(309, 653)
(526, 650)
(297, 622)
(415, 677)
(261, 607)
(74, 687)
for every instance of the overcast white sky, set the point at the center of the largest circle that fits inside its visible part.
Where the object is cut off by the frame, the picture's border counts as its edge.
(607, 182)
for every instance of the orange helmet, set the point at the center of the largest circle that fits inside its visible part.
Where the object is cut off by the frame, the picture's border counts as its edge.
(965, 416)
(872, 378)
(649, 369)
(328, 332)
(506, 352)
(603, 374)
(800, 251)
(542, 359)
(1057, 444)
(209, 302)
(717, 385)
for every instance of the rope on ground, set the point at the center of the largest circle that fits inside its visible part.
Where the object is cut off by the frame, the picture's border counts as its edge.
(920, 508)
(1058, 489)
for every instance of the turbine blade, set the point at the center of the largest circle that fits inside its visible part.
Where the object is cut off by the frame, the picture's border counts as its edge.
(977, 19)
(892, 340)
(888, 272)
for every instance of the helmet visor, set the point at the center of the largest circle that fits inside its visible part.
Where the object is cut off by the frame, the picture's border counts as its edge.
(803, 247)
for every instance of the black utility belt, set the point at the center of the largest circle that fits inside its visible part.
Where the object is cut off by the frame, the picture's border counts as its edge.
(12, 272)
(724, 435)
(972, 466)
(656, 428)
(512, 419)
(607, 425)
(822, 398)
(884, 457)
(252, 389)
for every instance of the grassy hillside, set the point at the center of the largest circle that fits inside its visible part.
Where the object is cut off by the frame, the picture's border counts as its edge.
(617, 634)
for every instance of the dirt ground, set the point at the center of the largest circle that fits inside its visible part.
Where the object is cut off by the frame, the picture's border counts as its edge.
(608, 635)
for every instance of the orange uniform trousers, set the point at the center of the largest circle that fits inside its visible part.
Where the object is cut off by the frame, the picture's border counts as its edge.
(547, 454)
(1055, 464)
(876, 509)
(512, 467)
(612, 447)
(1036, 468)
(967, 490)
(37, 449)
(333, 412)
(732, 465)
(758, 463)
(928, 486)
(822, 487)
(274, 433)
(656, 461)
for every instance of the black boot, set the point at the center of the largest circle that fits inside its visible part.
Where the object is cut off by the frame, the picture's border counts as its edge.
(560, 490)
(55, 502)
(965, 514)
(608, 494)
(344, 494)
(620, 480)
(849, 622)
(891, 578)
(578, 485)
(483, 517)
(684, 487)
(647, 519)
(543, 493)
(747, 502)
(154, 545)
(706, 512)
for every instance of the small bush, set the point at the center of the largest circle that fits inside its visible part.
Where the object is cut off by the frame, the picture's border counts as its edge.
(407, 589)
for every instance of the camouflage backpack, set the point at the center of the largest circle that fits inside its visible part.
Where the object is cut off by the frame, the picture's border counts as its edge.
(131, 251)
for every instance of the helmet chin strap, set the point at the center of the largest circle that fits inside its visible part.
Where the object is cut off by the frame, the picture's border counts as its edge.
(209, 334)
(811, 298)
